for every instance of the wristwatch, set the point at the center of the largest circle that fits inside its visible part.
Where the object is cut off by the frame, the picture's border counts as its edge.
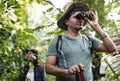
(104, 36)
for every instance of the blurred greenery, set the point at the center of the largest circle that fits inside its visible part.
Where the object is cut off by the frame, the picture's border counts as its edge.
(17, 36)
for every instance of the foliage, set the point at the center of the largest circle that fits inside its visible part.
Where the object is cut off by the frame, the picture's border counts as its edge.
(16, 36)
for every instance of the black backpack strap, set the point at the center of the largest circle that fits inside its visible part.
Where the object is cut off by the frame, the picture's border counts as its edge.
(59, 51)
(90, 44)
(59, 44)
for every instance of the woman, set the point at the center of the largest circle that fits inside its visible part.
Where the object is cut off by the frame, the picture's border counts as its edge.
(32, 71)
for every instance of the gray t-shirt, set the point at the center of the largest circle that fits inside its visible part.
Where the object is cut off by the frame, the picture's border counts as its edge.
(76, 50)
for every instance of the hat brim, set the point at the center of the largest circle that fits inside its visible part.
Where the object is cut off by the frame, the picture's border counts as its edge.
(61, 22)
(33, 50)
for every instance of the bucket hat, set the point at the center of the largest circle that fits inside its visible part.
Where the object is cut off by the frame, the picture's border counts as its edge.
(61, 22)
(33, 51)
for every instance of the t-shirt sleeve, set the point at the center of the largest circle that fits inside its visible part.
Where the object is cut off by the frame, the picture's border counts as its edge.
(95, 42)
(52, 47)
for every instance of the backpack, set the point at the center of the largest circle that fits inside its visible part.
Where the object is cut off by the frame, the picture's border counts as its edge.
(59, 47)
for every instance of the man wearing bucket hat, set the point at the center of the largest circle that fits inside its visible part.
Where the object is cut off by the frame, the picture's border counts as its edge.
(75, 50)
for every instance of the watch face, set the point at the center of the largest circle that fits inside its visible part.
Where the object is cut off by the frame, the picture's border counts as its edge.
(104, 36)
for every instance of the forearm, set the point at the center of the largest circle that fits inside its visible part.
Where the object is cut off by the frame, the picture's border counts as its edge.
(54, 70)
(109, 45)
(107, 42)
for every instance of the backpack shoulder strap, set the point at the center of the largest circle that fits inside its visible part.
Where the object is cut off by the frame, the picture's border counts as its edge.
(41, 73)
(59, 50)
(90, 44)
(59, 44)
(40, 68)
(89, 40)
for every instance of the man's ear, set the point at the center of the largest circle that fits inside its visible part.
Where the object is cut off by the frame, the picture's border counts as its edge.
(66, 22)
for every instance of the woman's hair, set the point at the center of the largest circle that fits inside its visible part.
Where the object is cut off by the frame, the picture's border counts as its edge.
(36, 60)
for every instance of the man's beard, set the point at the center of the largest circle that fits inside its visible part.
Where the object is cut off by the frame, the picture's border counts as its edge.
(76, 29)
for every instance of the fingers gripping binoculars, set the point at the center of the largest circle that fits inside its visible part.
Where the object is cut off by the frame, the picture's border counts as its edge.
(82, 15)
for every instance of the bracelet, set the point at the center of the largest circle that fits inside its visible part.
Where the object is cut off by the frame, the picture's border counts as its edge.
(104, 36)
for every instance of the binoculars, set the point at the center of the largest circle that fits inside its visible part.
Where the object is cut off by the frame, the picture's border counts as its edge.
(82, 15)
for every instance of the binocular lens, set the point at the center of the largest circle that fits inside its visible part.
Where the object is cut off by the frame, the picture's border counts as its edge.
(82, 15)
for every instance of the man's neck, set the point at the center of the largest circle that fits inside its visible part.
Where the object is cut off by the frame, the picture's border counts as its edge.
(73, 34)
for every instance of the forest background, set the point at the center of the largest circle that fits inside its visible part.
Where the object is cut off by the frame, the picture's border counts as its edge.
(26, 24)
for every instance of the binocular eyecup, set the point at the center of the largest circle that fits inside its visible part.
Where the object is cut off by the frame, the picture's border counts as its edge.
(82, 15)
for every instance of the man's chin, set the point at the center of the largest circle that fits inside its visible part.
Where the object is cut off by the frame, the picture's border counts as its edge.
(79, 28)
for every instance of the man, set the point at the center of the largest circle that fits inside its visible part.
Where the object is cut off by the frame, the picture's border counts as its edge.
(75, 46)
